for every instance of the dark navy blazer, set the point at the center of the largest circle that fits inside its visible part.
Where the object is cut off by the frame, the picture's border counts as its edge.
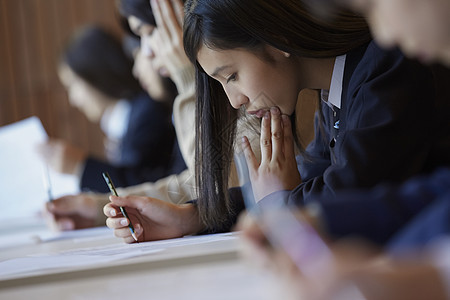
(148, 150)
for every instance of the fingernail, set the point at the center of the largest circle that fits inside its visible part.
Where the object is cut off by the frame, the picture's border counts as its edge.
(274, 110)
(112, 212)
(137, 227)
(50, 206)
(266, 115)
(243, 139)
(124, 222)
(65, 225)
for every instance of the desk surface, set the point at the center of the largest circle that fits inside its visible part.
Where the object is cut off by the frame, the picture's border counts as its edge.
(199, 269)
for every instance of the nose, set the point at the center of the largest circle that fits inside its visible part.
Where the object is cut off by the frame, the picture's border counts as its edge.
(145, 46)
(237, 100)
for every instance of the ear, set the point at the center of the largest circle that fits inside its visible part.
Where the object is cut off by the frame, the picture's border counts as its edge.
(277, 53)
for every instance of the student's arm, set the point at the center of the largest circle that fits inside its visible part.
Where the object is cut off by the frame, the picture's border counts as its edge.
(184, 113)
(378, 213)
(168, 44)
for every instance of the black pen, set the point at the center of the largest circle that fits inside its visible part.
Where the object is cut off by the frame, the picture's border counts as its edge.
(122, 209)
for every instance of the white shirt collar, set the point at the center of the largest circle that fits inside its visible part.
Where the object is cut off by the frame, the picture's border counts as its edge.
(334, 95)
(114, 122)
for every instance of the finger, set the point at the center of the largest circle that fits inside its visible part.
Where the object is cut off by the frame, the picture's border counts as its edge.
(129, 240)
(156, 42)
(117, 223)
(64, 224)
(277, 133)
(179, 11)
(170, 18)
(159, 19)
(122, 232)
(288, 139)
(63, 206)
(266, 140)
(110, 210)
(250, 157)
(137, 202)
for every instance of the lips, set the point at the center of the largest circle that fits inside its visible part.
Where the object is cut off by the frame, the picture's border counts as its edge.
(257, 113)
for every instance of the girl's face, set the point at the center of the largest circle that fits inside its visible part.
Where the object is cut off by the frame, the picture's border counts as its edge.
(82, 95)
(254, 81)
(149, 79)
(146, 33)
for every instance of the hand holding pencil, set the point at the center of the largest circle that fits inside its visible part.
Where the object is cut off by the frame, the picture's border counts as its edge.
(122, 209)
(153, 219)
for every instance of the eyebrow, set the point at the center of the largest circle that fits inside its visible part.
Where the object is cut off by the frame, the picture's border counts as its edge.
(218, 70)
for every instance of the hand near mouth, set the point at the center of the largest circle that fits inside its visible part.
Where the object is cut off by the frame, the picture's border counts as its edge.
(278, 168)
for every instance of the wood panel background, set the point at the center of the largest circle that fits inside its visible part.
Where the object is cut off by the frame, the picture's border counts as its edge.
(32, 34)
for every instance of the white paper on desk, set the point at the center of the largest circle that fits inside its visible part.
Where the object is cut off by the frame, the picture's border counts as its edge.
(99, 255)
(22, 191)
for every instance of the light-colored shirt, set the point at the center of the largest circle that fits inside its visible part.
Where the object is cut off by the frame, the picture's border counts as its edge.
(333, 96)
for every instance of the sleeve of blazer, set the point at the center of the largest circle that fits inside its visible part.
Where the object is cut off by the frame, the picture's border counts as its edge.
(385, 127)
(184, 114)
(378, 213)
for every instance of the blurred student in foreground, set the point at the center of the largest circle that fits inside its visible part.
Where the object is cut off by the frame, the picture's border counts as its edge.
(421, 28)
(416, 262)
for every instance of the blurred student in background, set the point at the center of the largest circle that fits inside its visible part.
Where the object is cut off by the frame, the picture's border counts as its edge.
(139, 133)
(168, 62)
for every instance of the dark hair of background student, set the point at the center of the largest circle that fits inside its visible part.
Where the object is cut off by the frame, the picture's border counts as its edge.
(250, 25)
(97, 57)
(141, 9)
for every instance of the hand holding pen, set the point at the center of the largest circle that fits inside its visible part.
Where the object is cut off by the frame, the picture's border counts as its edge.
(122, 209)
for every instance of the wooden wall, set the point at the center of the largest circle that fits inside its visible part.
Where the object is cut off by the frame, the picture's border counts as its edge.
(32, 34)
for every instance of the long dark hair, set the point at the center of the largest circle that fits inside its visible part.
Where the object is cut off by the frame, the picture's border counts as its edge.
(97, 56)
(251, 24)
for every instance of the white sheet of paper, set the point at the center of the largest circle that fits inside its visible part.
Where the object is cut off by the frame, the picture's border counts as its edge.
(99, 255)
(22, 191)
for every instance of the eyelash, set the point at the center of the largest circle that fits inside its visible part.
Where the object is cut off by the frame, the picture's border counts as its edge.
(231, 78)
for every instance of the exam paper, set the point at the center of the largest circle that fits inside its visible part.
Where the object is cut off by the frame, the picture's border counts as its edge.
(22, 171)
(99, 255)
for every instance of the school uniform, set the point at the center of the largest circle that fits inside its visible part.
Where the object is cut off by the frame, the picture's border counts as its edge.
(432, 222)
(141, 146)
(380, 124)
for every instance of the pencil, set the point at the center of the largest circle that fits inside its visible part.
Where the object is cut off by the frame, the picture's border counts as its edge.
(47, 183)
(122, 209)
